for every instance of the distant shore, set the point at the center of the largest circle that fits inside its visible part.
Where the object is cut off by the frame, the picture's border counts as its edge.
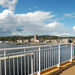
(32, 43)
(35, 43)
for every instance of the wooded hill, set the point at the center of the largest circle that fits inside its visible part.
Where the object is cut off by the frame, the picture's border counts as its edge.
(44, 37)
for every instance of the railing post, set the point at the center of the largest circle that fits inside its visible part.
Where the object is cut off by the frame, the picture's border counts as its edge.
(5, 61)
(0, 68)
(58, 57)
(39, 62)
(24, 50)
(24, 63)
(31, 64)
(71, 54)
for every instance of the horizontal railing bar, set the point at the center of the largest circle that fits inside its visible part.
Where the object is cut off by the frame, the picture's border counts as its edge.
(17, 53)
(32, 46)
(15, 56)
(48, 48)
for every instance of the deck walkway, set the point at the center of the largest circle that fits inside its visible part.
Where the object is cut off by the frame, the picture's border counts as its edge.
(66, 69)
(69, 71)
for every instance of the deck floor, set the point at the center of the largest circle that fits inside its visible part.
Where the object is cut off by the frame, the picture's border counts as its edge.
(66, 69)
(69, 71)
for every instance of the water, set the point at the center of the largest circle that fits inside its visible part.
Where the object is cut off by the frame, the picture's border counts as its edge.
(11, 45)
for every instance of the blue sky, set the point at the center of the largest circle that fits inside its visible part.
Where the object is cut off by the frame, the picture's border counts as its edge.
(37, 17)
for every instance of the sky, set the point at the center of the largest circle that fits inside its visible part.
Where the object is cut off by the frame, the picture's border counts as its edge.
(37, 17)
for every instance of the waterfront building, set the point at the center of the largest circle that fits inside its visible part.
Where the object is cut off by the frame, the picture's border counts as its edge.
(0, 41)
(36, 38)
(65, 40)
(32, 40)
(20, 41)
(46, 41)
(26, 41)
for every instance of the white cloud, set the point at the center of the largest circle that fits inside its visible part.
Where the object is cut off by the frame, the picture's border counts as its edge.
(72, 15)
(31, 23)
(65, 34)
(54, 26)
(74, 28)
(5, 14)
(8, 3)
(61, 34)
(55, 34)
(26, 24)
(67, 14)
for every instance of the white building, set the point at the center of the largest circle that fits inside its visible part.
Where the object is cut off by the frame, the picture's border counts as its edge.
(36, 40)
(47, 41)
(0, 41)
(65, 40)
(20, 41)
(26, 41)
(32, 39)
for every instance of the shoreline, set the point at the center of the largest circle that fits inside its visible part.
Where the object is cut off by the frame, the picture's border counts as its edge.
(34, 43)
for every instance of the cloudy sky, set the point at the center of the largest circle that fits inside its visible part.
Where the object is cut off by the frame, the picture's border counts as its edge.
(37, 17)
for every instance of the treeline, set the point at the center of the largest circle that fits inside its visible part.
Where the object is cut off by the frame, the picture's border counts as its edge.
(48, 37)
(44, 37)
(14, 38)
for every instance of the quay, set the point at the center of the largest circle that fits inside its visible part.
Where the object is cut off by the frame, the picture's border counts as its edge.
(37, 60)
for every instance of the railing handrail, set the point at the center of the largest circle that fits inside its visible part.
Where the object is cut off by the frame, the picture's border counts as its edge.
(4, 49)
(15, 56)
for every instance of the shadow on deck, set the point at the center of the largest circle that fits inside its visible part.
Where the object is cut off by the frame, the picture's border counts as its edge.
(67, 68)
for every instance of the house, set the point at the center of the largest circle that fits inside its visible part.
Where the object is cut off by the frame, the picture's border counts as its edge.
(65, 40)
(20, 41)
(26, 41)
(46, 41)
(32, 40)
(36, 40)
(0, 41)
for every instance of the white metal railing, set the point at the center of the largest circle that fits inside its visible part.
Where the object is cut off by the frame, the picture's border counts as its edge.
(33, 59)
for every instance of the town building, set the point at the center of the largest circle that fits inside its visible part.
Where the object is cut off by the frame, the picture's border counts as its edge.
(32, 40)
(36, 39)
(19, 41)
(65, 40)
(26, 41)
(0, 41)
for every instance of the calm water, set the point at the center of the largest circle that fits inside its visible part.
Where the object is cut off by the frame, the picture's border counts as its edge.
(11, 45)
